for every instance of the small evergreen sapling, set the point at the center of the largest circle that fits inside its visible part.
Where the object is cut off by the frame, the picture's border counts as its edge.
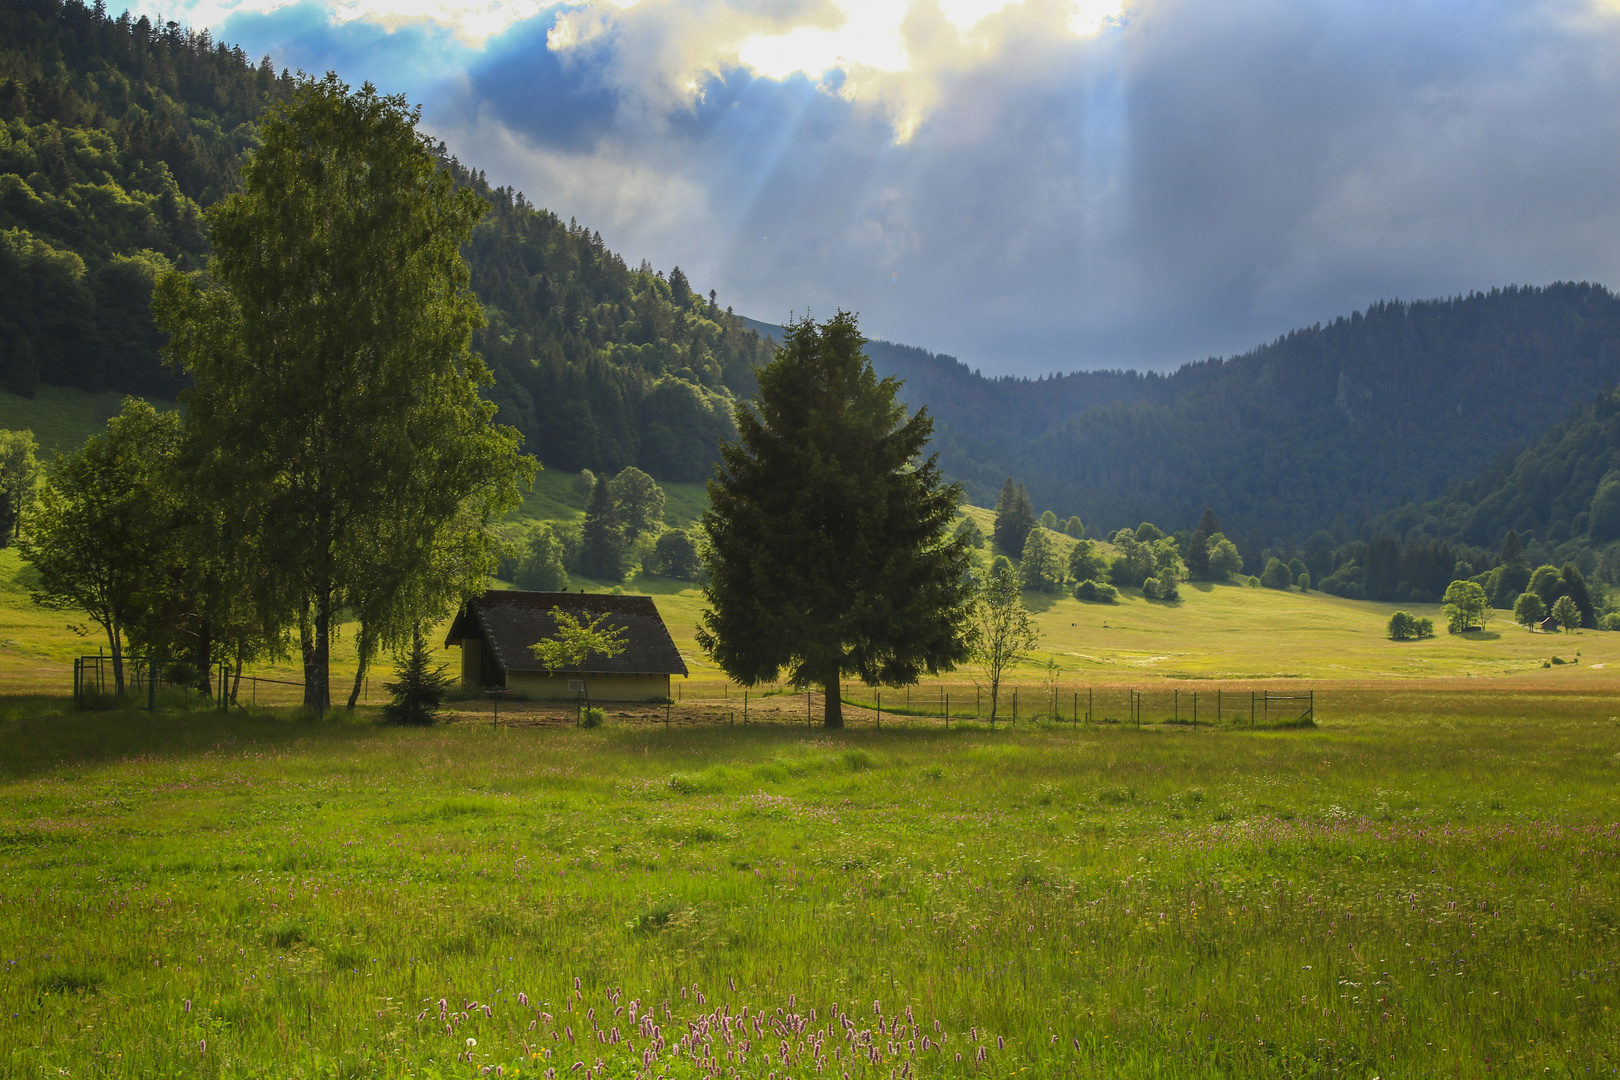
(419, 689)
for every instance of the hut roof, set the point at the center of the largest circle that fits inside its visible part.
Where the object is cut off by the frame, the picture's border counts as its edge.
(512, 620)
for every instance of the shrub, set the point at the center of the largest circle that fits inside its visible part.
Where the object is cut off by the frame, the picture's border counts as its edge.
(1304, 581)
(1275, 575)
(1254, 582)
(1404, 626)
(1098, 591)
(1610, 621)
(592, 717)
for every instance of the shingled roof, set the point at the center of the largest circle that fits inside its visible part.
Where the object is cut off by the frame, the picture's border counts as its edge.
(511, 621)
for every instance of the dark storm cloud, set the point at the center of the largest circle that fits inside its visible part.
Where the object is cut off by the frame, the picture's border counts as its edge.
(1194, 180)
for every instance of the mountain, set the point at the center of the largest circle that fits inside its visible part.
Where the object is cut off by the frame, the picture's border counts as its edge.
(1561, 495)
(115, 134)
(119, 133)
(1322, 428)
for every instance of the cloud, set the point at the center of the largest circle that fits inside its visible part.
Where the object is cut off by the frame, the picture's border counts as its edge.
(1038, 185)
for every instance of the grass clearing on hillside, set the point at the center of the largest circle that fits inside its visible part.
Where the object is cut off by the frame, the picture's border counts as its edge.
(1428, 884)
(62, 418)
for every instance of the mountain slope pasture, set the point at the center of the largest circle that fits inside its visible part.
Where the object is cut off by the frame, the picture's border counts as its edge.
(1416, 888)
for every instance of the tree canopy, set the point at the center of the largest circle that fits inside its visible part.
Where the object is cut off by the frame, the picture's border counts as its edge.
(335, 395)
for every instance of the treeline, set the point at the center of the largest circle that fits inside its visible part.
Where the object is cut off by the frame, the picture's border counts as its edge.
(118, 134)
(622, 532)
(601, 366)
(114, 134)
(1325, 428)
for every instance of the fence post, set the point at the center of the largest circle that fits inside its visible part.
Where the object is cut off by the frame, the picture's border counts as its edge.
(1015, 705)
(745, 708)
(1075, 715)
(880, 708)
(1178, 705)
(947, 711)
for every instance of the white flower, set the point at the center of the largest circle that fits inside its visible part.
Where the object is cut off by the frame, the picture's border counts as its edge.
(472, 1042)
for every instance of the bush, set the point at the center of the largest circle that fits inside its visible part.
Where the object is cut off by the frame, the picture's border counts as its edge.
(1275, 575)
(592, 717)
(1097, 591)
(1404, 626)
(1610, 621)
(1304, 581)
(1162, 587)
(1254, 582)
(676, 555)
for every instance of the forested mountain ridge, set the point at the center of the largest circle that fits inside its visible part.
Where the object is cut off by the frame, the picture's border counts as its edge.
(1561, 495)
(1323, 428)
(114, 133)
(118, 133)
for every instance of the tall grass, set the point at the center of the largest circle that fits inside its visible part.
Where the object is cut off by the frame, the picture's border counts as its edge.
(1425, 885)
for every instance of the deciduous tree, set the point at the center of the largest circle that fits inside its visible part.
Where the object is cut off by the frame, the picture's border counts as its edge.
(1465, 606)
(829, 536)
(1528, 610)
(335, 399)
(1003, 629)
(1567, 612)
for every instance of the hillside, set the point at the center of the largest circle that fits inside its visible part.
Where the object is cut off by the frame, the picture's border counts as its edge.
(119, 133)
(1319, 429)
(1561, 495)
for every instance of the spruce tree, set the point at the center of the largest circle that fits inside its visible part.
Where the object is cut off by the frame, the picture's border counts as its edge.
(1512, 550)
(419, 689)
(1015, 516)
(829, 542)
(601, 552)
(1209, 524)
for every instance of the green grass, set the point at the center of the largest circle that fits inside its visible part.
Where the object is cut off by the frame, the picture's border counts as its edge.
(1427, 884)
(61, 418)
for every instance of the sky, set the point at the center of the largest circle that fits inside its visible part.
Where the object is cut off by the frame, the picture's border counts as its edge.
(1035, 186)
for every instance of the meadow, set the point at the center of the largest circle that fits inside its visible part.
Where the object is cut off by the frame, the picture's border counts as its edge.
(1425, 884)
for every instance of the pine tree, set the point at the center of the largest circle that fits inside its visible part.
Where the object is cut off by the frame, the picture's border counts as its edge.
(829, 541)
(1575, 588)
(1209, 524)
(1015, 516)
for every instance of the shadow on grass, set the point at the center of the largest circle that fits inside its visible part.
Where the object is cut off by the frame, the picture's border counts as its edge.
(41, 734)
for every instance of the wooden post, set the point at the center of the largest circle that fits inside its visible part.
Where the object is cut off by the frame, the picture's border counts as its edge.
(880, 708)
(1178, 705)
(1015, 706)
(745, 708)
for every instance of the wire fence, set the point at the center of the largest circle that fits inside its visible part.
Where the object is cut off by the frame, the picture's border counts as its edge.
(944, 707)
(157, 684)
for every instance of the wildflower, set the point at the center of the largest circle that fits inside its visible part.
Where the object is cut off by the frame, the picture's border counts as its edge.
(202, 1046)
(1001, 1044)
(472, 1042)
(523, 999)
(187, 1005)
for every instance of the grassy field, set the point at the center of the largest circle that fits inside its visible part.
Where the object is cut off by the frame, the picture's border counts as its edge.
(1428, 884)
(61, 418)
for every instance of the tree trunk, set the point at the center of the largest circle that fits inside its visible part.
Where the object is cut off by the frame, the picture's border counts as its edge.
(316, 632)
(204, 655)
(364, 648)
(116, 644)
(834, 693)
